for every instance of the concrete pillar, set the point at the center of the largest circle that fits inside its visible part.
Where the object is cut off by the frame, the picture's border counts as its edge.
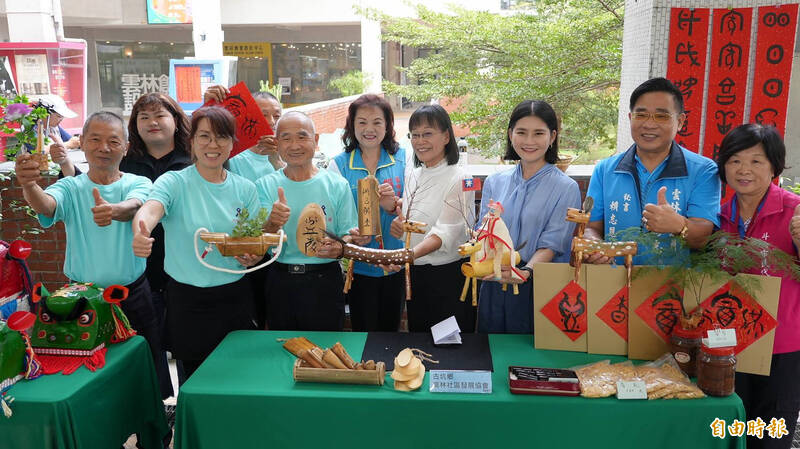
(207, 31)
(33, 20)
(371, 54)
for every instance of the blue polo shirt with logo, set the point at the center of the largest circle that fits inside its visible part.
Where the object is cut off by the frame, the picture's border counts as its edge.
(390, 169)
(621, 186)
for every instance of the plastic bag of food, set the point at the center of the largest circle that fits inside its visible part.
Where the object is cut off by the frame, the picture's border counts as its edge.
(664, 379)
(599, 380)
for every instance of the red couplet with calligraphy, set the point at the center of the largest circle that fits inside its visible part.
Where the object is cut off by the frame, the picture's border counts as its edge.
(688, 38)
(730, 307)
(661, 312)
(774, 52)
(250, 122)
(615, 313)
(567, 310)
(727, 79)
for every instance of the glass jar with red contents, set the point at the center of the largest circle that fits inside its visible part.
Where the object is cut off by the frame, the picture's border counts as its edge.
(685, 344)
(716, 370)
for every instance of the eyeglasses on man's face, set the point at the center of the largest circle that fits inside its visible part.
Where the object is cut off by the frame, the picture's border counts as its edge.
(658, 117)
(205, 139)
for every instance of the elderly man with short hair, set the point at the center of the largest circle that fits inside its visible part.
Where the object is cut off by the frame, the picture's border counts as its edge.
(95, 207)
(305, 293)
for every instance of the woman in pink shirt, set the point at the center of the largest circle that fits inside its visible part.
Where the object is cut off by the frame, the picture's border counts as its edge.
(750, 157)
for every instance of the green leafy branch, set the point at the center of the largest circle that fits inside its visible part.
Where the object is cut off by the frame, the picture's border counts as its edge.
(724, 256)
(249, 227)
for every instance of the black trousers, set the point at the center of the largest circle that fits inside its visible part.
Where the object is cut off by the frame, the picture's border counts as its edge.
(376, 303)
(311, 301)
(141, 313)
(260, 298)
(198, 318)
(774, 396)
(435, 292)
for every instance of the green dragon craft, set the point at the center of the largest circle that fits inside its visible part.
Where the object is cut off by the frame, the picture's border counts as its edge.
(75, 325)
(17, 360)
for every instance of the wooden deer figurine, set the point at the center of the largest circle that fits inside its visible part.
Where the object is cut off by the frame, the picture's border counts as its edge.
(490, 250)
(581, 246)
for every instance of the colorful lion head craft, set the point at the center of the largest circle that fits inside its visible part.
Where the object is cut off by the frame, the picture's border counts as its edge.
(17, 359)
(75, 325)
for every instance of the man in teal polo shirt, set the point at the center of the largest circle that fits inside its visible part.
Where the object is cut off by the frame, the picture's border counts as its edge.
(96, 207)
(305, 293)
(656, 185)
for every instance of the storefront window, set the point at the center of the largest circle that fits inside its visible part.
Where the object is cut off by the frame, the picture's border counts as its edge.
(130, 69)
(304, 70)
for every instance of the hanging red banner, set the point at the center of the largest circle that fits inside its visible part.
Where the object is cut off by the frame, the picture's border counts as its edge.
(727, 79)
(773, 69)
(688, 39)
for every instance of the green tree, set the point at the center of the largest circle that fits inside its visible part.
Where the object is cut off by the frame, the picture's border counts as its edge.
(566, 52)
(351, 83)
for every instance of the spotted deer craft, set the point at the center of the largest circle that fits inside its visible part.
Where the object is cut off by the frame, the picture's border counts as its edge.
(489, 251)
(17, 359)
(581, 245)
(75, 324)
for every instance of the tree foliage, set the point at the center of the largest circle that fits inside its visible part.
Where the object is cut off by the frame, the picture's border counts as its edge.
(566, 52)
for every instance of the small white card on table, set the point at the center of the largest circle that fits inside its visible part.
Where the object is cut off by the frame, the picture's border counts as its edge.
(446, 332)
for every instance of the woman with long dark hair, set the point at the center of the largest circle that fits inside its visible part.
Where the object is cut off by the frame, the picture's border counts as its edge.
(534, 196)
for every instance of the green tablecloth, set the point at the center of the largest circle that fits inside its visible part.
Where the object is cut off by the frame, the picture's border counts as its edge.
(88, 410)
(244, 396)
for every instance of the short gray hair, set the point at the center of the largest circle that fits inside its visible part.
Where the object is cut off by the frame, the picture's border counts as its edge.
(106, 117)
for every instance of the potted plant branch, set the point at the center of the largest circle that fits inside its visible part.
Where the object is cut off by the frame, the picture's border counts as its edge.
(247, 236)
(20, 119)
(724, 256)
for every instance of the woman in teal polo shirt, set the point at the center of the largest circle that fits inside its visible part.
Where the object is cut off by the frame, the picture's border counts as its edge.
(370, 148)
(203, 305)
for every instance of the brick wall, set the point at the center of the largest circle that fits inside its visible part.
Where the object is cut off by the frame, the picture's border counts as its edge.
(46, 261)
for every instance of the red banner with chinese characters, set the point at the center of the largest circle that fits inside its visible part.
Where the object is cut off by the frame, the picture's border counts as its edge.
(615, 313)
(730, 307)
(773, 67)
(688, 39)
(250, 122)
(662, 311)
(567, 310)
(727, 79)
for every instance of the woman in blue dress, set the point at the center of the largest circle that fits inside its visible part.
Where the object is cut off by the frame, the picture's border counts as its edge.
(535, 196)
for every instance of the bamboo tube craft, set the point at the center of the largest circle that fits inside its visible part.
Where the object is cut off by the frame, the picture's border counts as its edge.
(369, 209)
(581, 245)
(310, 229)
(236, 246)
(38, 154)
(372, 256)
(332, 365)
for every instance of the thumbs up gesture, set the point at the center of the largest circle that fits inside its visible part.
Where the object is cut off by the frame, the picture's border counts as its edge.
(794, 225)
(661, 217)
(103, 211)
(280, 212)
(142, 242)
(396, 229)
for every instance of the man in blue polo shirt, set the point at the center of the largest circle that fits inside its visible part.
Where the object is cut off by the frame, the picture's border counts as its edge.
(656, 185)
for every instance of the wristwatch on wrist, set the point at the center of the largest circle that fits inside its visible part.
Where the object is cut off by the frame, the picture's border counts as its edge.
(685, 229)
(530, 272)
